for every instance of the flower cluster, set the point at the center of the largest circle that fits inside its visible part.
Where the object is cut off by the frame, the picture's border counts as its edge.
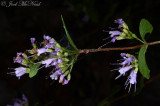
(129, 62)
(121, 32)
(50, 54)
(20, 102)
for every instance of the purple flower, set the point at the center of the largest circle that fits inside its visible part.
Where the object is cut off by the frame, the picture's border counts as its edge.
(18, 59)
(33, 40)
(127, 61)
(49, 45)
(57, 49)
(47, 62)
(41, 50)
(25, 100)
(52, 41)
(20, 71)
(114, 33)
(131, 79)
(123, 70)
(61, 78)
(113, 39)
(60, 61)
(56, 74)
(65, 82)
(54, 63)
(46, 37)
(123, 54)
(119, 21)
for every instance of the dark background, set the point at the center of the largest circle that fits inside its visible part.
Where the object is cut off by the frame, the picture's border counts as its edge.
(92, 82)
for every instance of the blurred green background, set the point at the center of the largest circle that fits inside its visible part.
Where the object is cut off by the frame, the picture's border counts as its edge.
(92, 82)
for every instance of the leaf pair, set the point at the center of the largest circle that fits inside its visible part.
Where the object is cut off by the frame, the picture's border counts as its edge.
(144, 28)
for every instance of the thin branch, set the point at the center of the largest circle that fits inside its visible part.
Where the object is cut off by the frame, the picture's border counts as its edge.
(86, 51)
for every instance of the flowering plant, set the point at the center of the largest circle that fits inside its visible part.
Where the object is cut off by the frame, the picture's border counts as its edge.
(51, 54)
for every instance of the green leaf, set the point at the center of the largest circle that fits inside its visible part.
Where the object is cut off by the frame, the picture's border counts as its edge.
(144, 28)
(68, 36)
(34, 70)
(142, 62)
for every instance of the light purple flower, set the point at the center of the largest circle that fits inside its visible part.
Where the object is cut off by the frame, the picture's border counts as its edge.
(113, 39)
(123, 70)
(19, 53)
(49, 45)
(41, 50)
(52, 41)
(131, 80)
(46, 37)
(65, 82)
(47, 62)
(54, 63)
(18, 59)
(127, 61)
(61, 78)
(60, 61)
(33, 40)
(119, 21)
(57, 49)
(114, 33)
(123, 54)
(20, 71)
(56, 74)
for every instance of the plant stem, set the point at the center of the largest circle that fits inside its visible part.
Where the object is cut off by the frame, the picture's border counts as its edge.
(86, 51)
(140, 40)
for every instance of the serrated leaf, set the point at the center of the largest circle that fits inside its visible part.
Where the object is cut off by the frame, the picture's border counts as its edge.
(144, 28)
(34, 70)
(68, 36)
(142, 62)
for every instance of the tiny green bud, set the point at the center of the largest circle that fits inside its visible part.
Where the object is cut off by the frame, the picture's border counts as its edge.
(31, 51)
(66, 73)
(59, 54)
(69, 77)
(66, 59)
(58, 46)
(25, 62)
(125, 26)
(25, 56)
(120, 38)
(66, 54)
(125, 31)
(61, 65)
(49, 50)
(34, 46)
